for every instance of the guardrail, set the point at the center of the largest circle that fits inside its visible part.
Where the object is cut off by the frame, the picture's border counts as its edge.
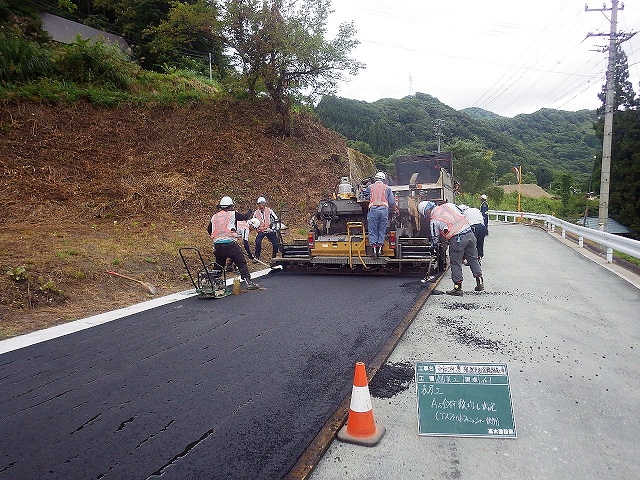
(607, 240)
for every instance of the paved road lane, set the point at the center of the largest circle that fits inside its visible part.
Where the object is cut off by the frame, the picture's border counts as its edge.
(231, 388)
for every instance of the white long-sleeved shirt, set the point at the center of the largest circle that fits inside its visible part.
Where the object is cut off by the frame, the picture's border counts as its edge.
(474, 216)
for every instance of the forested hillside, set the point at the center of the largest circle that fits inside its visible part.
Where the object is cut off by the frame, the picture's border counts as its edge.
(545, 142)
(568, 137)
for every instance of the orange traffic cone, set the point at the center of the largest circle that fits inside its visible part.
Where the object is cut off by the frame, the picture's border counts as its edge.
(361, 427)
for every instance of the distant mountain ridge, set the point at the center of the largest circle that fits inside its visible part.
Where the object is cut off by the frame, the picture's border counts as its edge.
(543, 142)
(480, 113)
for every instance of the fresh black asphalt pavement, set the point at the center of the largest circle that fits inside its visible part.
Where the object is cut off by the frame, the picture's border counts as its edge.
(231, 388)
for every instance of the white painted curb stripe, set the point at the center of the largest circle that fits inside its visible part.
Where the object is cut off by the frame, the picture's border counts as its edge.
(32, 338)
(360, 399)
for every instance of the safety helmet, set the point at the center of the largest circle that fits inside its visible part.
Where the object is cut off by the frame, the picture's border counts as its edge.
(226, 202)
(424, 207)
(261, 200)
(254, 222)
(463, 208)
(380, 176)
(483, 197)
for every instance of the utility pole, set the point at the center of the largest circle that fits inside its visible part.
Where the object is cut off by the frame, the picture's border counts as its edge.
(410, 85)
(517, 170)
(605, 176)
(438, 123)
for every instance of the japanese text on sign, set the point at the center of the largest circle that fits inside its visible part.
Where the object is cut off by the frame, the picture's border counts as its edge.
(465, 399)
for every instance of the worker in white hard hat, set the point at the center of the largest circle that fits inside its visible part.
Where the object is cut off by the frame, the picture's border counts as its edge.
(223, 229)
(267, 219)
(381, 201)
(484, 209)
(476, 220)
(449, 224)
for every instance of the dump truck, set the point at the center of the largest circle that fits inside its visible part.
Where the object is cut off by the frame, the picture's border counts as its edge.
(337, 239)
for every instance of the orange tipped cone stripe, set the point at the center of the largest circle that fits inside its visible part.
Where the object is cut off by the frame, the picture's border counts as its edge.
(360, 376)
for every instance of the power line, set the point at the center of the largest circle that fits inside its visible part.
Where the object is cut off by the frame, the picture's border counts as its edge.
(568, 70)
(535, 51)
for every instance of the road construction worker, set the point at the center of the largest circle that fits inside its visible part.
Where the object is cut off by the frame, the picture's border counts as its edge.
(223, 229)
(381, 200)
(448, 223)
(484, 209)
(476, 221)
(243, 236)
(266, 217)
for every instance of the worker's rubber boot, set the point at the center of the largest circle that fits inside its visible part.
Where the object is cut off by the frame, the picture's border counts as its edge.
(250, 284)
(456, 290)
(479, 284)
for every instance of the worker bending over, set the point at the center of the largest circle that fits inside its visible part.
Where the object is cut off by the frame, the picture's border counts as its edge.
(474, 216)
(448, 222)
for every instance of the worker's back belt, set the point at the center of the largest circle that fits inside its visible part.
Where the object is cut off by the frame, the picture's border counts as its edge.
(464, 232)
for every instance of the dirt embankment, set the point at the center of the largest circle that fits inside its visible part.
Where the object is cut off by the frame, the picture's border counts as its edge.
(88, 189)
(527, 190)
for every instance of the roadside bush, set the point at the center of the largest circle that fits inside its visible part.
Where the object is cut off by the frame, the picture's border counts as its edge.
(22, 59)
(88, 61)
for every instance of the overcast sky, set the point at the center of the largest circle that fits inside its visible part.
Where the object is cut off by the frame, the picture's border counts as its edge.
(505, 56)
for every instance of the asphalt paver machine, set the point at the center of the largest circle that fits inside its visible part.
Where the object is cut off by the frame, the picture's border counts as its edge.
(338, 239)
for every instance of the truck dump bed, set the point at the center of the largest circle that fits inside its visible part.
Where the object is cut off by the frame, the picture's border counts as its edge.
(427, 166)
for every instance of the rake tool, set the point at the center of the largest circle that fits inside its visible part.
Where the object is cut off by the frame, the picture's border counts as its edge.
(429, 278)
(148, 286)
(277, 267)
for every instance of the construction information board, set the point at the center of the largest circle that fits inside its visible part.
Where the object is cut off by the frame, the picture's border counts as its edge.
(464, 399)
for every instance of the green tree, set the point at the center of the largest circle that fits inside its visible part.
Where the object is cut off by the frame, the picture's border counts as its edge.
(130, 18)
(362, 147)
(510, 178)
(473, 165)
(624, 199)
(189, 31)
(562, 185)
(280, 44)
(624, 96)
(529, 177)
(544, 176)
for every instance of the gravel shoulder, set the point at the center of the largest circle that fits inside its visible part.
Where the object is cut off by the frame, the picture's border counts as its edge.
(569, 333)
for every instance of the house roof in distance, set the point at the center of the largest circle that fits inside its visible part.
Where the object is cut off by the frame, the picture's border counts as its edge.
(613, 226)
